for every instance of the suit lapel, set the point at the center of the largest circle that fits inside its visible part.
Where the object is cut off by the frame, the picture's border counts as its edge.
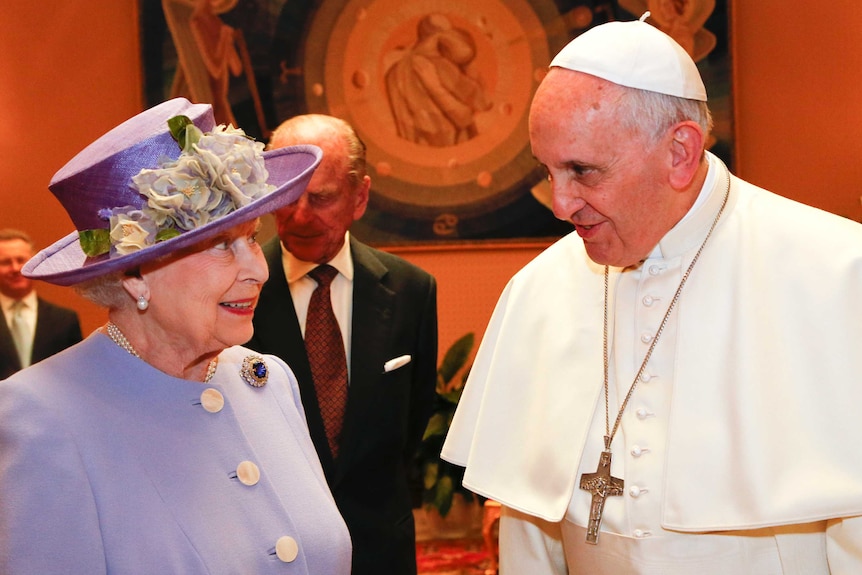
(44, 319)
(373, 311)
(47, 323)
(9, 362)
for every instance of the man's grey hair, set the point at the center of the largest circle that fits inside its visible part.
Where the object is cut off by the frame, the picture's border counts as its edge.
(296, 130)
(651, 113)
(9, 234)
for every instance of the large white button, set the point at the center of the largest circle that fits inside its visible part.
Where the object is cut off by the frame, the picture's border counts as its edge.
(248, 473)
(654, 270)
(643, 413)
(212, 400)
(648, 300)
(646, 338)
(286, 548)
(645, 377)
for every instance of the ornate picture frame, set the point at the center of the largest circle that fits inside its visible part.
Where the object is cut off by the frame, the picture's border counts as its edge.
(439, 91)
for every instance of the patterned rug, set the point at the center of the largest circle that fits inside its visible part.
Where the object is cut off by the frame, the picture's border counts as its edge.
(452, 557)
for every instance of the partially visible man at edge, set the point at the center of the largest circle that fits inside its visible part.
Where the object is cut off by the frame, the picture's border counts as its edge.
(675, 387)
(387, 314)
(46, 328)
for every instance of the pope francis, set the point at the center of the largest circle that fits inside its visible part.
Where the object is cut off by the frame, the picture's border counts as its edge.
(674, 387)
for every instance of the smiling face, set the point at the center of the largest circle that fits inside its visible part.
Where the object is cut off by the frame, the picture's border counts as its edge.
(14, 253)
(313, 227)
(203, 300)
(611, 182)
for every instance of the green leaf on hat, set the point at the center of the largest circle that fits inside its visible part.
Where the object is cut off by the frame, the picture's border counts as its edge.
(167, 234)
(95, 242)
(184, 131)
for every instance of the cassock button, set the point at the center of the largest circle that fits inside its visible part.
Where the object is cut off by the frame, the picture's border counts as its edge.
(640, 533)
(248, 473)
(286, 548)
(645, 377)
(654, 270)
(636, 491)
(648, 300)
(646, 338)
(212, 400)
(637, 451)
(643, 413)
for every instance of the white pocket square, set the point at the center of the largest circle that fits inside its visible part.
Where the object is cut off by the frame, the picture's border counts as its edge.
(394, 364)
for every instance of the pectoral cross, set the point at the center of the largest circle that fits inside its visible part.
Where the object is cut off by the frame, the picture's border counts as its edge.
(601, 485)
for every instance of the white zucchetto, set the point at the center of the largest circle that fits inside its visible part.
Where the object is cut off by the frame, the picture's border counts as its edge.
(634, 54)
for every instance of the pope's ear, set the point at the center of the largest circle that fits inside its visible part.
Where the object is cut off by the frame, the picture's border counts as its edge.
(686, 153)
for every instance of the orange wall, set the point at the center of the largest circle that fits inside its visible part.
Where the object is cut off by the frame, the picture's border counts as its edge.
(67, 75)
(798, 88)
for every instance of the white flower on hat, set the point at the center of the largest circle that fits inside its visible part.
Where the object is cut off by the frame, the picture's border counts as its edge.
(131, 231)
(215, 174)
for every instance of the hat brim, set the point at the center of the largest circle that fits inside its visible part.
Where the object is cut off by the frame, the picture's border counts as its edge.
(64, 262)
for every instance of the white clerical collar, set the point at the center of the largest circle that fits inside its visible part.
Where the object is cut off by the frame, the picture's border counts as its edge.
(688, 232)
(295, 269)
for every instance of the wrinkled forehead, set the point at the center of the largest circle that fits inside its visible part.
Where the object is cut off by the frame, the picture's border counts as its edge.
(563, 93)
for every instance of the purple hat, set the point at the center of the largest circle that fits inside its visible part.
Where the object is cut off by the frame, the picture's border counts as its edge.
(136, 194)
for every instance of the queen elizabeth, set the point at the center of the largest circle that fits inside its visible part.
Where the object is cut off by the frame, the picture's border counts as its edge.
(158, 444)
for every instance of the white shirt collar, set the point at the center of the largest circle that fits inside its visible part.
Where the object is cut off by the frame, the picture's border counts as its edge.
(30, 302)
(295, 269)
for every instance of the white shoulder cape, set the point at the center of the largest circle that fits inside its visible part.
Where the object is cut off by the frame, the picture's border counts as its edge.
(766, 414)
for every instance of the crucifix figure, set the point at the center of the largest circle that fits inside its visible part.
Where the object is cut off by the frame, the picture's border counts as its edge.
(601, 485)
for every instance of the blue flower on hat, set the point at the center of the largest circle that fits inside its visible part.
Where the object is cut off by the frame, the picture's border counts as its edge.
(216, 173)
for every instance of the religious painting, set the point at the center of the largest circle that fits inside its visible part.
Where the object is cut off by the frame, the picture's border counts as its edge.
(439, 91)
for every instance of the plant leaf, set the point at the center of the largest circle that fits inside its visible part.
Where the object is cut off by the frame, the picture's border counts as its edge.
(440, 385)
(456, 356)
(436, 426)
(443, 496)
(430, 477)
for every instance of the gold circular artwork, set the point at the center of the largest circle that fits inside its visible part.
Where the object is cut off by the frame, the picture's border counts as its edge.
(439, 91)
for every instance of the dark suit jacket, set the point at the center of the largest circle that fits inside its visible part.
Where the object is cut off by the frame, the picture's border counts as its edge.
(394, 314)
(56, 329)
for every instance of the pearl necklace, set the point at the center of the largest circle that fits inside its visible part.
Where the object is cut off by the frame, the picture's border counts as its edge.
(117, 336)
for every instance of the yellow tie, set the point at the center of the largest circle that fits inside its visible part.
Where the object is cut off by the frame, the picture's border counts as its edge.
(21, 333)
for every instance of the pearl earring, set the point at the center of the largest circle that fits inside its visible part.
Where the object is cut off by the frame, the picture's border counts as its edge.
(143, 304)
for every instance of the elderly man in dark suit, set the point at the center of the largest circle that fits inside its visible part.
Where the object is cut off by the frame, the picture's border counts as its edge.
(33, 328)
(368, 397)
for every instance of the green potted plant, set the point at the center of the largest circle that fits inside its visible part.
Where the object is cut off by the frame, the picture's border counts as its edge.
(441, 479)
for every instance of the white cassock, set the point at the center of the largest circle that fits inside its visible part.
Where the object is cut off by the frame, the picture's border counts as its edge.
(740, 447)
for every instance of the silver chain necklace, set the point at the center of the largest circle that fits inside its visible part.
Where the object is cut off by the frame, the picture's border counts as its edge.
(601, 484)
(117, 336)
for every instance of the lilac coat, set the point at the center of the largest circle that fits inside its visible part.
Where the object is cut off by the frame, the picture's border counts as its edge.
(108, 465)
